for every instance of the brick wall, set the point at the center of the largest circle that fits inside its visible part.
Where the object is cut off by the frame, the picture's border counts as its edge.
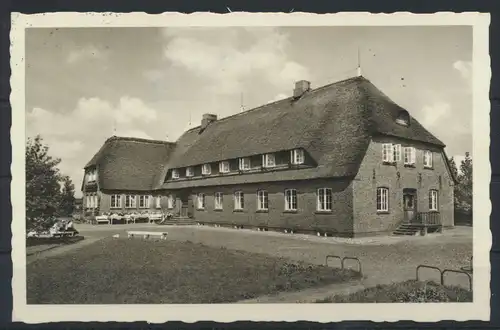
(373, 173)
(306, 218)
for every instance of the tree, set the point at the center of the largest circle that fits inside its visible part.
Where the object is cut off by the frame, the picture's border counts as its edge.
(463, 190)
(42, 185)
(67, 202)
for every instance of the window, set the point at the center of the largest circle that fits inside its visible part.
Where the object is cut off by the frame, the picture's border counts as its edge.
(268, 160)
(239, 200)
(297, 156)
(218, 200)
(224, 167)
(409, 156)
(189, 171)
(95, 202)
(170, 202)
(290, 200)
(387, 153)
(175, 173)
(129, 201)
(116, 201)
(433, 200)
(428, 159)
(244, 164)
(397, 152)
(158, 202)
(382, 200)
(206, 169)
(201, 201)
(324, 199)
(403, 118)
(262, 200)
(143, 202)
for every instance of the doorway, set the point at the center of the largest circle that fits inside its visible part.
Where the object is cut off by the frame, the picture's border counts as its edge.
(410, 205)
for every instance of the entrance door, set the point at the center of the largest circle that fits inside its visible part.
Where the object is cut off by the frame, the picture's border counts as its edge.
(186, 204)
(410, 205)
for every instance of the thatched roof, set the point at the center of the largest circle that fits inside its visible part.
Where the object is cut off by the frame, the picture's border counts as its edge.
(333, 123)
(125, 163)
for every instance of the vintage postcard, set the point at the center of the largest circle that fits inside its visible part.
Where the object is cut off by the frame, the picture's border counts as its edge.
(266, 167)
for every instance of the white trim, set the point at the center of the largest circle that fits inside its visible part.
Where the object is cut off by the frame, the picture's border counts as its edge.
(397, 153)
(324, 199)
(268, 160)
(206, 169)
(218, 201)
(433, 200)
(189, 171)
(297, 156)
(383, 193)
(239, 200)
(428, 159)
(409, 155)
(291, 199)
(387, 153)
(200, 205)
(244, 164)
(143, 198)
(175, 173)
(170, 202)
(262, 200)
(224, 167)
(133, 201)
(118, 202)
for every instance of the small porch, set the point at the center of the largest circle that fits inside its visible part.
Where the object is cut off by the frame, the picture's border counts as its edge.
(420, 224)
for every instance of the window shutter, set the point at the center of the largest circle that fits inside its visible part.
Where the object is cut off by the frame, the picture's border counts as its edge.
(391, 153)
(412, 153)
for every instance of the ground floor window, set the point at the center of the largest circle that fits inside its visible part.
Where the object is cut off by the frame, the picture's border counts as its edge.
(143, 202)
(201, 201)
(158, 202)
(324, 199)
(433, 200)
(130, 201)
(239, 200)
(116, 201)
(382, 200)
(290, 200)
(262, 200)
(218, 200)
(170, 202)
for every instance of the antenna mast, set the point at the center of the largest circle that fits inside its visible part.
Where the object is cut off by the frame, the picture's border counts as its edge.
(242, 107)
(359, 63)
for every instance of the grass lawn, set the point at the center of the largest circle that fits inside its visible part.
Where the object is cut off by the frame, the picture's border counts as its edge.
(409, 291)
(114, 271)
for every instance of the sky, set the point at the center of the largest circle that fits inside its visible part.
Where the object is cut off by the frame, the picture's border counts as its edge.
(84, 85)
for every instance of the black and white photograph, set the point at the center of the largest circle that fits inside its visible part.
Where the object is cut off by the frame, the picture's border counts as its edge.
(250, 167)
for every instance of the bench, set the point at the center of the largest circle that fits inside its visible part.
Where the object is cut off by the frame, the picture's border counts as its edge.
(64, 234)
(102, 218)
(155, 217)
(147, 234)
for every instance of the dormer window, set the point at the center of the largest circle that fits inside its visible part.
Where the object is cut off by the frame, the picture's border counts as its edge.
(175, 173)
(206, 169)
(244, 164)
(189, 171)
(224, 167)
(268, 160)
(297, 156)
(91, 176)
(403, 118)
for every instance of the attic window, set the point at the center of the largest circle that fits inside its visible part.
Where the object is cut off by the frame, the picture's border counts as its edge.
(224, 167)
(189, 171)
(206, 169)
(403, 118)
(175, 173)
(297, 156)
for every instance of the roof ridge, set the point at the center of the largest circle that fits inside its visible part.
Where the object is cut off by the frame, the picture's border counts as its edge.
(135, 139)
(260, 107)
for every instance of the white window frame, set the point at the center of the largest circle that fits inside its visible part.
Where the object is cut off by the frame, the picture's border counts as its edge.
(224, 167)
(117, 202)
(206, 169)
(131, 201)
(200, 201)
(387, 153)
(143, 202)
(158, 202)
(96, 202)
(170, 202)
(218, 201)
(397, 153)
(239, 200)
(262, 200)
(244, 164)
(433, 200)
(428, 159)
(409, 155)
(189, 171)
(297, 156)
(291, 203)
(175, 173)
(383, 196)
(268, 160)
(324, 199)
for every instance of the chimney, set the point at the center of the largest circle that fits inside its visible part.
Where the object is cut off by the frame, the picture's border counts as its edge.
(301, 87)
(207, 119)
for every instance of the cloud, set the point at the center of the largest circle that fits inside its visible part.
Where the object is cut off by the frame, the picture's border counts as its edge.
(85, 53)
(227, 58)
(434, 114)
(76, 135)
(278, 97)
(464, 68)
